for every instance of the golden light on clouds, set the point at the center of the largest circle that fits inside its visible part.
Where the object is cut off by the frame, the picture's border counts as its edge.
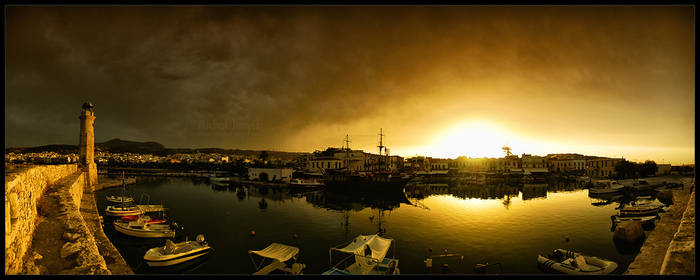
(596, 80)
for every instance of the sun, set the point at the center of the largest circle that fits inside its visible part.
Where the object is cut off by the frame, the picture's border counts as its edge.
(472, 139)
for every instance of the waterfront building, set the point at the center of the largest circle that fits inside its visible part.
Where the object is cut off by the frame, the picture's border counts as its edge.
(530, 161)
(354, 160)
(417, 163)
(664, 169)
(566, 162)
(438, 163)
(270, 174)
(323, 163)
(601, 166)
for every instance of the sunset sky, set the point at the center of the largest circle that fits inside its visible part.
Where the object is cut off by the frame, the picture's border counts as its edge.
(441, 81)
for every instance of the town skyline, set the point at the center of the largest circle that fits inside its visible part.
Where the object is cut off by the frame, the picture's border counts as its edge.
(613, 81)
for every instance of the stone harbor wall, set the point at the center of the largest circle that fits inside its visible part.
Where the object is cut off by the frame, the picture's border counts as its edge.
(680, 257)
(53, 226)
(670, 248)
(24, 187)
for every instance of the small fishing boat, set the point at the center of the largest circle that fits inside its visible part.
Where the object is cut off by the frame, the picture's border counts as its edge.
(306, 183)
(219, 179)
(569, 262)
(175, 253)
(645, 220)
(282, 260)
(365, 255)
(123, 210)
(606, 187)
(640, 210)
(143, 229)
(120, 199)
(149, 220)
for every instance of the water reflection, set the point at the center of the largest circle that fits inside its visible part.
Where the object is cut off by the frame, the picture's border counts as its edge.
(495, 223)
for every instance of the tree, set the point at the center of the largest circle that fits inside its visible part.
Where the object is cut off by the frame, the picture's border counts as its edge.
(626, 169)
(648, 168)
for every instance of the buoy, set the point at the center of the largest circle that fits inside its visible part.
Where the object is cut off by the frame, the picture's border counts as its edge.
(252, 232)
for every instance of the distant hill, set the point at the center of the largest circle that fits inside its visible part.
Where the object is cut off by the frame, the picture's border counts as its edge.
(124, 146)
(61, 149)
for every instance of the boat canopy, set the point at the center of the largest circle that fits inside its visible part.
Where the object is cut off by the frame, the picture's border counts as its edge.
(277, 251)
(378, 245)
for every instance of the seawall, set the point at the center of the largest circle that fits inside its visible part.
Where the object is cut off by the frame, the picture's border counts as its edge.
(670, 247)
(46, 229)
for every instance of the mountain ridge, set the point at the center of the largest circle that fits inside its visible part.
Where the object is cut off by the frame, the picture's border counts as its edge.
(117, 145)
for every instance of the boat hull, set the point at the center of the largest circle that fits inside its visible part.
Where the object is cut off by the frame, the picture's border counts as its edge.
(143, 233)
(638, 212)
(173, 260)
(645, 220)
(119, 200)
(603, 266)
(595, 191)
(120, 213)
(369, 183)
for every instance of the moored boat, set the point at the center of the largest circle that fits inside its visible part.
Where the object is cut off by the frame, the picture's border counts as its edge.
(606, 187)
(279, 255)
(219, 179)
(144, 230)
(122, 210)
(149, 220)
(380, 181)
(306, 183)
(570, 262)
(360, 262)
(640, 210)
(175, 253)
(119, 199)
(645, 220)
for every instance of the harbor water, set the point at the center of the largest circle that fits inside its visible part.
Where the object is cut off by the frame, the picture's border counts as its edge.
(507, 226)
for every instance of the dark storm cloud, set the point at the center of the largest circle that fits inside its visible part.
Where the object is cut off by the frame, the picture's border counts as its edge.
(263, 77)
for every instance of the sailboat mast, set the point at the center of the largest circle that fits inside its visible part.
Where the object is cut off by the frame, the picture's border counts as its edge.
(123, 190)
(381, 146)
(347, 152)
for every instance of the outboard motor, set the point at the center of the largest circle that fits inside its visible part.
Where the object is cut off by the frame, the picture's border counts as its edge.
(200, 239)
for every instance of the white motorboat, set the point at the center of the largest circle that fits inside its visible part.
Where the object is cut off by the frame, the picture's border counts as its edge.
(569, 262)
(175, 253)
(123, 210)
(120, 199)
(645, 220)
(357, 261)
(143, 229)
(606, 187)
(278, 255)
(296, 182)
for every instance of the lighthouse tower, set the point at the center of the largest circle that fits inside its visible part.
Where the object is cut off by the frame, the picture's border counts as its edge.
(87, 143)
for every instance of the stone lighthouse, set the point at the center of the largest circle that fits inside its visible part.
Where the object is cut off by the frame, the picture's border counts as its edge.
(87, 143)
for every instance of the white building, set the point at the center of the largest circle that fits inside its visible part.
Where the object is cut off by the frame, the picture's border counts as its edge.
(270, 174)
